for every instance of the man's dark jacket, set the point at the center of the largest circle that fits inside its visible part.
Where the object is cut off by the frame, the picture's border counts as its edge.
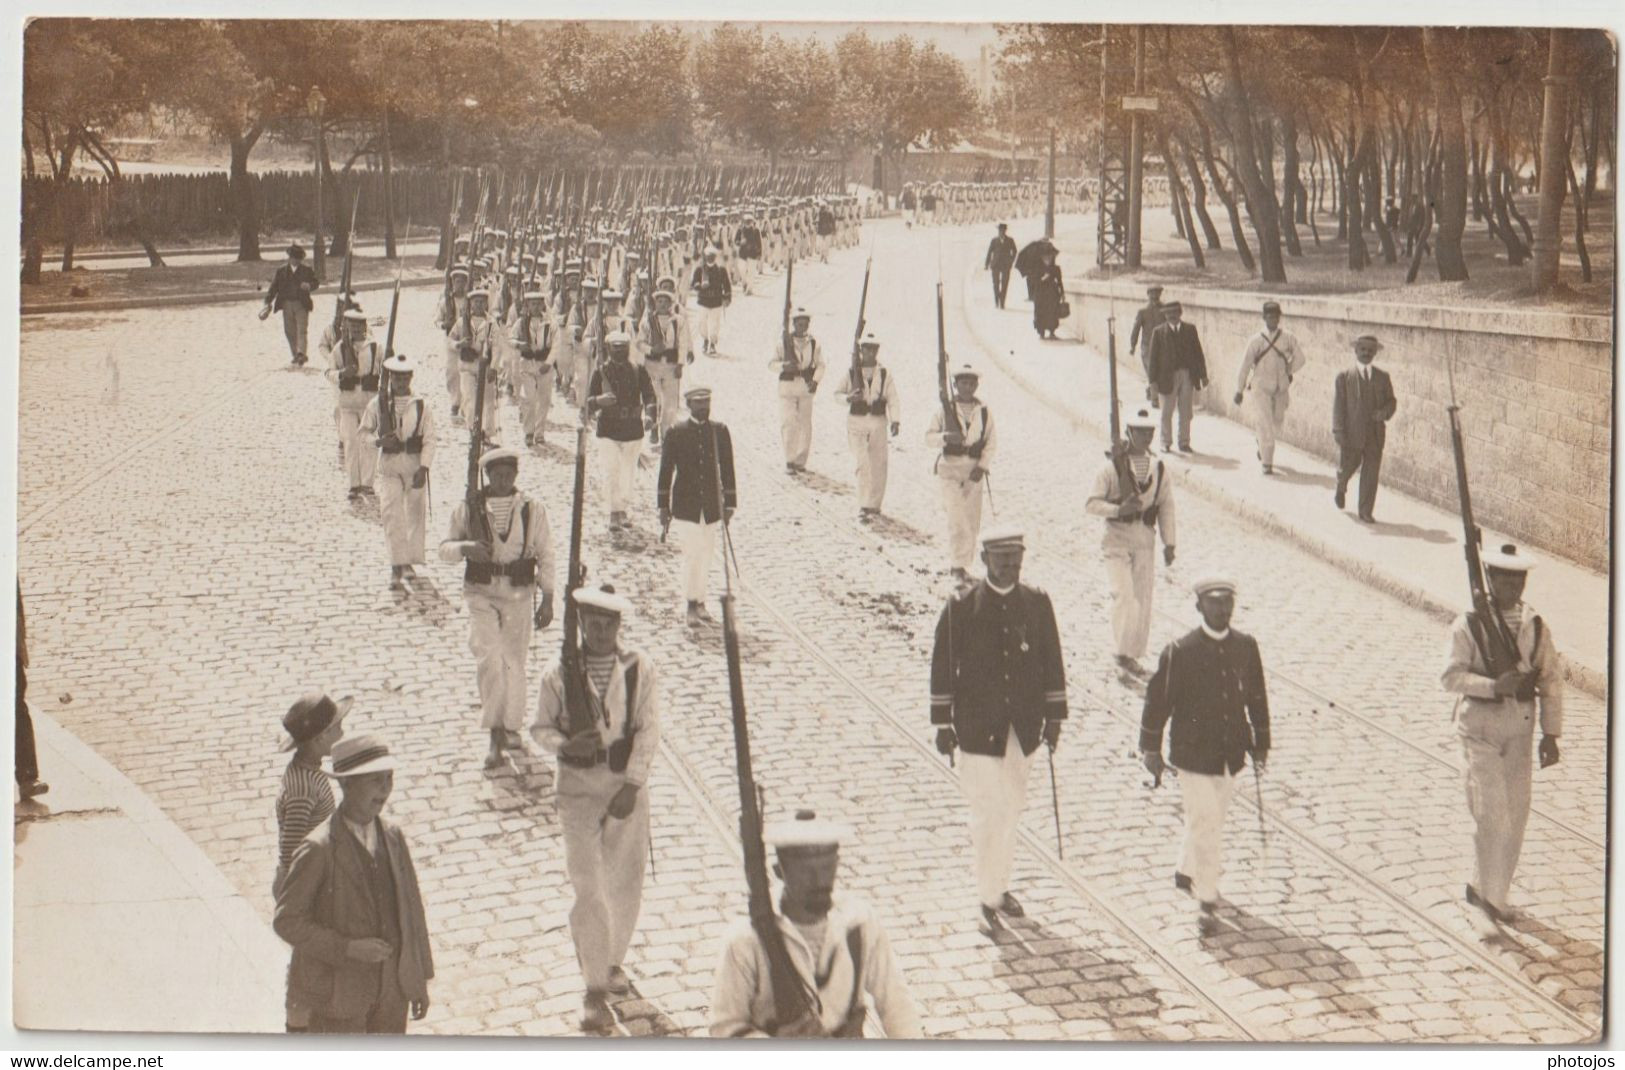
(688, 473)
(1212, 693)
(1174, 346)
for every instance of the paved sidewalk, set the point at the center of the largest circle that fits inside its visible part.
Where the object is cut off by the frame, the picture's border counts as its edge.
(1413, 552)
(119, 304)
(120, 922)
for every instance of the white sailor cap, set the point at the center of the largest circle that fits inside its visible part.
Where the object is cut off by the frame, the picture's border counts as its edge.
(354, 315)
(1507, 559)
(479, 295)
(967, 369)
(459, 270)
(572, 264)
(667, 280)
(617, 338)
(806, 833)
(670, 295)
(1142, 419)
(613, 294)
(511, 269)
(400, 362)
(801, 314)
(603, 599)
(1214, 585)
(695, 391)
(534, 295)
(869, 339)
(496, 233)
(589, 284)
(1003, 535)
(711, 250)
(501, 453)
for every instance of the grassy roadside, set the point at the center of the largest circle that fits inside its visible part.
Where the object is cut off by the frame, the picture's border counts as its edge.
(210, 278)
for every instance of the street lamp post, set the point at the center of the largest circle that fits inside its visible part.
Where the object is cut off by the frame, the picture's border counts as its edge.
(1049, 202)
(314, 105)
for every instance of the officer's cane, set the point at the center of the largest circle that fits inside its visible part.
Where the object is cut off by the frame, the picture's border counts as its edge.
(1055, 801)
(1258, 798)
(988, 483)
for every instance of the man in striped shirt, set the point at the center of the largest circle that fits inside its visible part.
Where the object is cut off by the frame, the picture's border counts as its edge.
(605, 753)
(305, 800)
(1134, 516)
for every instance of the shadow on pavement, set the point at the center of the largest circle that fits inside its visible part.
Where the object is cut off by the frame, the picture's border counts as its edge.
(1303, 479)
(1574, 962)
(1411, 531)
(1272, 957)
(890, 528)
(1209, 460)
(1047, 970)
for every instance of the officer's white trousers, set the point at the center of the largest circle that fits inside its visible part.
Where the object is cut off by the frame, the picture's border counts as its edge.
(698, 543)
(1201, 857)
(996, 789)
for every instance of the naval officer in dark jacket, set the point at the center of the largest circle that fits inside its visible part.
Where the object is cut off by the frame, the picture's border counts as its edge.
(998, 688)
(1209, 685)
(696, 453)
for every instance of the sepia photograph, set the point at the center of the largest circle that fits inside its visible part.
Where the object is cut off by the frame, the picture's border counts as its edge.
(703, 528)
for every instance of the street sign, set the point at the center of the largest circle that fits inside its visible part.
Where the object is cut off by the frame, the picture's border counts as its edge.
(1139, 103)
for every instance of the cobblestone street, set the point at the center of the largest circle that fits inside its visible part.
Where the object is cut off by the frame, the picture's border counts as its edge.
(191, 565)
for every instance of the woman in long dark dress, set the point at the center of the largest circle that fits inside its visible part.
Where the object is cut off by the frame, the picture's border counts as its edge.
(1048, 293)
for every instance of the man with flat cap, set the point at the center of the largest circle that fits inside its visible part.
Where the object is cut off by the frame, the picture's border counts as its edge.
(840, 953)
(1178, 368)
(1146, 320)
(1495, 720)
(289, 294)
(602, 800)
(872, 413)
(1362, 404)
(1001, 257)
(1134, 516)
(403, 433)
(998, 688)
(695, 491)
(1209, 692)
(507, 554)
(800, 370)
(352, 911)
(1272, 358)
(962, 466)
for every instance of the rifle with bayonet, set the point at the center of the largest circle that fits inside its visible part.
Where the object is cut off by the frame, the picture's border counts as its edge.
(1497, 644)
(945, 394)
(857, 335)
(475, 526)
(386, 405)
(1127, 484)
(572, 666)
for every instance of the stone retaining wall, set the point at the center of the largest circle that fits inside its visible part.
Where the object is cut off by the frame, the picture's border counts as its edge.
(1535, 388)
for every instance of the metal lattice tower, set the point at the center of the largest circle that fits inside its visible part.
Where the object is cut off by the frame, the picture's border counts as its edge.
(1111, 233)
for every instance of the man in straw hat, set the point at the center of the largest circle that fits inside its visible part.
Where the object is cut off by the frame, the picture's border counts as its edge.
(602, 801)
(840, 953)
(1134, 517)
(1362, 404)
(687, 493)
(404, 456)
(1209, 691)
(998, 689)
(352, 911)
(500, 580)
(1495, 719)
(967, 454)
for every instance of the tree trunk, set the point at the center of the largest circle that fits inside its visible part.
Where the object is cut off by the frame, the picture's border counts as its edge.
(33, 262)
(243, 196)
(1182, 208)
(442, 256)
(1237, 235)
(1199, 198)
(1385, 237)
(1260, 196)
(1353, 198)
(339, 206)
(1452, 196)
(389, 191)
(1579, 224)
(1290, 184)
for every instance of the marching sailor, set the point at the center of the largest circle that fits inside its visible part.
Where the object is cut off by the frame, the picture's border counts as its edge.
(405, 451)
(356, 365)
(872, 413)
(962, 466)
(532, 338)
(800, 371)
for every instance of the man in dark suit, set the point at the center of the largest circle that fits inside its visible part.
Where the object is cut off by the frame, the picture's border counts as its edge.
(1001, 256)
(1209, 687)
(1362, 405)
(697, 452)
(289, 294)
(1177, 366)
(998, 687)
(1146, 320)
(352, 911)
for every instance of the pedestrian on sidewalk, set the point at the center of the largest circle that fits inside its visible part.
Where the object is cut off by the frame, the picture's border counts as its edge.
(1030, 261)
(1147, 320)
(1495, 719)
(352, 911)
(624, 399)
(25, 758)
(1272, 358)
(998, 688)
(967, 448)
(1209, 692)
(800, 370)
(698, 453)
(1177, 366)
(872, 412)
(1049, 297)
(714, 294)
(1001, 257)
(405, 452)
(1362, 404)
(602, 798)
(507, 554)
(304, 799)
(1134, 517)
(839, 951)
(289, 294)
